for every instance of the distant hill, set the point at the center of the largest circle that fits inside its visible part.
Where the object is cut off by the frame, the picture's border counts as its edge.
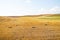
(47, 15)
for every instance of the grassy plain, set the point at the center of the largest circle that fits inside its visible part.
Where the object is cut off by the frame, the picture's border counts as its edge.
(45, 27)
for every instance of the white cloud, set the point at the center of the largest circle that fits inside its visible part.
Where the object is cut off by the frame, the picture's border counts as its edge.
(53, 10)
(28, 1)
(20, 11)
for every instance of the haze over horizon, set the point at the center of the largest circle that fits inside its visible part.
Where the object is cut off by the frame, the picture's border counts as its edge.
(28, 7)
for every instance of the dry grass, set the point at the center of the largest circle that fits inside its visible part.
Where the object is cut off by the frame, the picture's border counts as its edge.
(29, 28)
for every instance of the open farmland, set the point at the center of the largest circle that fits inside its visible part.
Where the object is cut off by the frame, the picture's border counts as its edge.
(45, 27)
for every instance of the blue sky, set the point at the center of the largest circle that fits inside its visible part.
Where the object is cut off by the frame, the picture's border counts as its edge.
(29, 7)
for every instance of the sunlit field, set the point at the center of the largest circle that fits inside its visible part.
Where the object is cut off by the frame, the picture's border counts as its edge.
(45, 27)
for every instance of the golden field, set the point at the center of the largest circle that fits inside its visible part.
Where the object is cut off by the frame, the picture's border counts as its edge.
(30, 27)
